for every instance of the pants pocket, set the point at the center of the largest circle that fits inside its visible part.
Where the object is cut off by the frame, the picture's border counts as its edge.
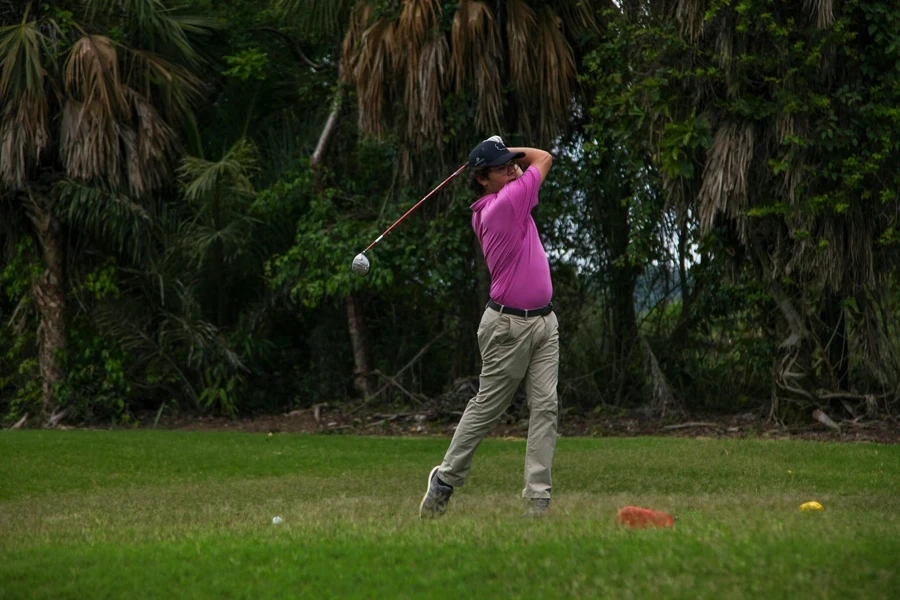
(493, 330)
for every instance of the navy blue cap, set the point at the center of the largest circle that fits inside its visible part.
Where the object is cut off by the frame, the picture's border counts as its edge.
(490, 153)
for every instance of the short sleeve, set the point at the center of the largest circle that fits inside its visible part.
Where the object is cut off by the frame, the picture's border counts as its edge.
(523, 193)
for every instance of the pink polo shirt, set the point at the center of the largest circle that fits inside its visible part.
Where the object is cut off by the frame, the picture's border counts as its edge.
(520, 272)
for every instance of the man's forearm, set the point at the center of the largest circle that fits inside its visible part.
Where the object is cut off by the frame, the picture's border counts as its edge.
(541, 159)
(532, 155)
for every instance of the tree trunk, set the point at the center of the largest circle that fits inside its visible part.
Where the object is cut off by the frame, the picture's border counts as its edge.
(328, 131)
(48, 292)
(362, 378)
(623, 280)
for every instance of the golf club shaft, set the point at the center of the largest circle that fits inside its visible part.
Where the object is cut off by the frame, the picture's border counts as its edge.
(397, 222)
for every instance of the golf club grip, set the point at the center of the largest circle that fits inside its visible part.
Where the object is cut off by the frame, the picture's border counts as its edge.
(406, 214)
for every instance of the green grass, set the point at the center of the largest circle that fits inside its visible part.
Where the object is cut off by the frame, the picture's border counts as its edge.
(153, 514)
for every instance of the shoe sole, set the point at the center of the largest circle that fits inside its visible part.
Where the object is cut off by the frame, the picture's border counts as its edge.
(427, 489)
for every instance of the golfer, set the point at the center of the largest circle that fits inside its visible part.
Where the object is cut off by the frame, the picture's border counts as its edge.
(518, 334)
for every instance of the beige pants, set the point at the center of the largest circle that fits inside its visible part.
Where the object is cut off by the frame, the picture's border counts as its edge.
(512, 349)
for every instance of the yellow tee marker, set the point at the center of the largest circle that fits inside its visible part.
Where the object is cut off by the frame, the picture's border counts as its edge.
(806, 506)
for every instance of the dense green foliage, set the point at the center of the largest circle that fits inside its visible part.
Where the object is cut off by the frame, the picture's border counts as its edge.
(196, 520)
(721, 216)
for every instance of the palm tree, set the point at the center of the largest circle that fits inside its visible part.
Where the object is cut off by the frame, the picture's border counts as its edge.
(91, 97)
(510, 66)
(219, 230)
(783, 172)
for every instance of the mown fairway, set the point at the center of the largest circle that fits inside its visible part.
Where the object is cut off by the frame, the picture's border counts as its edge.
(146, 514)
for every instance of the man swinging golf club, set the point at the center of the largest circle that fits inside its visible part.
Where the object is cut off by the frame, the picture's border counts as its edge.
(518, 334)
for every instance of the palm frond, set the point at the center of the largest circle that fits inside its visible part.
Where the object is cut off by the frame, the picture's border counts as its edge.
(725, 48)
(96, 101)
(154, 76)
(521, 23)
(23, 49)
(23, 136)
(152, 25)
(422, 58)
(200, 242)
(725, 176)
(662, 400)
(373, 72)
(24, 132)
(821, 11)
(200, 178)
(689, 14)
(578, 15)
(164, 334)
(417, 19)
(109, 215)
(219, 193)
(424, 92)
(351, 48)
(149, 144)
(556, 73)
(110, 129)
(521, 28)
(787, 125)
(476, 60)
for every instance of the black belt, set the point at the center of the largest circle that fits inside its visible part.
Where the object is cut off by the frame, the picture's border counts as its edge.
(533, 312)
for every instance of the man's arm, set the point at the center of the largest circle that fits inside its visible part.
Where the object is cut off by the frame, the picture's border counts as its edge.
(536, 158)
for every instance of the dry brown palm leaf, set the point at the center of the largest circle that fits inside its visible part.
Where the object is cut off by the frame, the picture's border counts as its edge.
(150, 145)
(89, 143)
(23, 136)
(422, 58)
(489, 94)
(784, 127)
(662, 400)
(521, 28)
(578, 15)
(556, 73)
(92, 75)
(352, 46)
(521, 24)
(796, 168)
(423, 101)
(373, 71)
(96, 100)
(473, 33)
(811, 263)
(821, 11)
(476, 60)
(724, 46)
(151, 75)
(689, 14)
(460, 54)
(417, 19)
(724, 188)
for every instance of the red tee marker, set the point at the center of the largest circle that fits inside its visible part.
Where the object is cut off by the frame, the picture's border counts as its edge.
(635, 516)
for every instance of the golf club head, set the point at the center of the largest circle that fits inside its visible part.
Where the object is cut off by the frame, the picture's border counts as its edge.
(361, 265)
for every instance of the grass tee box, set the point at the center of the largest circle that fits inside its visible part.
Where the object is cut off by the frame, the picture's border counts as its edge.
(148, 514)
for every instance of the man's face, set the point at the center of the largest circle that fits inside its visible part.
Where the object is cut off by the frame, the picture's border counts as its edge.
(499, 176)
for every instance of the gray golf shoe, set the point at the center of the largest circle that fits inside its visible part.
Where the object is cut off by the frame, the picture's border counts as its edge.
(537, 507)
(434, 504)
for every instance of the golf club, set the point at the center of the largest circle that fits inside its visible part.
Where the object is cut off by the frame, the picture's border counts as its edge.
(361, 262)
